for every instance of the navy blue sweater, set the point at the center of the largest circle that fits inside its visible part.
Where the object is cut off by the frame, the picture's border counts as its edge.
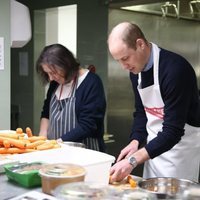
(90, 108)
(179, 92)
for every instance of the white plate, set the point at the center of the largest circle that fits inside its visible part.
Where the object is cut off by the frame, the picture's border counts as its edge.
(34, 195)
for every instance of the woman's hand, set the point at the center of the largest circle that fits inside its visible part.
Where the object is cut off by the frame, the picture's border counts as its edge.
(44, 124)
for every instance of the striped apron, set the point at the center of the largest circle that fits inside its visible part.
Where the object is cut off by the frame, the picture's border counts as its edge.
(62, 119)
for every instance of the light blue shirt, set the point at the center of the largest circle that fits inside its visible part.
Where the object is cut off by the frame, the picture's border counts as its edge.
(150, 62)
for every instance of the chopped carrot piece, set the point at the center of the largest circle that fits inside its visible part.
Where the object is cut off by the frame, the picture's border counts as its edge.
(131, 181)
(19, 130)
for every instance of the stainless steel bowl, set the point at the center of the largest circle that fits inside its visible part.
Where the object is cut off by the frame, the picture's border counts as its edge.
(192, 193)
(75, 144)
(164, 187)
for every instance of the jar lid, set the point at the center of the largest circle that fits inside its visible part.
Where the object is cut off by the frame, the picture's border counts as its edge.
(62, 170)
(86, 190)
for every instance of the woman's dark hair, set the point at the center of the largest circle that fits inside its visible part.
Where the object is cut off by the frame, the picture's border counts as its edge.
(57, 55)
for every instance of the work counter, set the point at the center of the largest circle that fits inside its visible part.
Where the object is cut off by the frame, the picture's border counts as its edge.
(9, 189)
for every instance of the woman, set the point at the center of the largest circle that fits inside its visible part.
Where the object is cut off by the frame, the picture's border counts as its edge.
(75, 105)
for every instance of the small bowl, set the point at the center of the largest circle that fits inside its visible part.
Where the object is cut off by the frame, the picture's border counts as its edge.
(165, 187)
(53, 175)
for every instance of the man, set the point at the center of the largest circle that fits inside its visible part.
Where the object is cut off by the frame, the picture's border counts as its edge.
(167, 108)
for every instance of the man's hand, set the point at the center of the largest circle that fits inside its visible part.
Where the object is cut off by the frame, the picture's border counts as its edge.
(123, 168)
(131, 148)
(120, 170)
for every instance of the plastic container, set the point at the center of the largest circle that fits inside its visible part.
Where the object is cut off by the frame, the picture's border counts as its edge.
(6, 160)
(97, 164)
(54, 175)
(26, 174)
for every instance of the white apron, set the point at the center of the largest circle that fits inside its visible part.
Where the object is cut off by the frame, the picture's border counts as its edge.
(182, 161)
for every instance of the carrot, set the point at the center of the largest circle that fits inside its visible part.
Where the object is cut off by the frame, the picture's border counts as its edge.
(14, 142)
(110, 178)
(9, 135)
(14, 150)
(6, 144)
(24, 139)
(45, 146)
(52, 141)
(2, 139)
(21, 135)
(19, 130)
(56, 146)
(29, 132)
(35, 138)
(131, 181)
(32, 145)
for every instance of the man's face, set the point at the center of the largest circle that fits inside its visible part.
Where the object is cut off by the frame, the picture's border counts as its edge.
(130, 59)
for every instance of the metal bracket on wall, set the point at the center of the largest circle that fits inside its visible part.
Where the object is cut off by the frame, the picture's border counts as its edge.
(194, 5)
(107, 139)
(166, 6)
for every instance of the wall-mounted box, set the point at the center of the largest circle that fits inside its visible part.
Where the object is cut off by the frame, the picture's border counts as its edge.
(20, 24)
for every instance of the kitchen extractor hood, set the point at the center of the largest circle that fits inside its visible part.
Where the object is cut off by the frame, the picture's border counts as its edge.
(185, 9)
(20, 24)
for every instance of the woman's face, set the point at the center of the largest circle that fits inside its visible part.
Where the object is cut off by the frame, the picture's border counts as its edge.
(55, 73)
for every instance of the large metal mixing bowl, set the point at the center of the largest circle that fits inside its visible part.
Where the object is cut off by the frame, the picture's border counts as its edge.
(164, 187)
(75, 144)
